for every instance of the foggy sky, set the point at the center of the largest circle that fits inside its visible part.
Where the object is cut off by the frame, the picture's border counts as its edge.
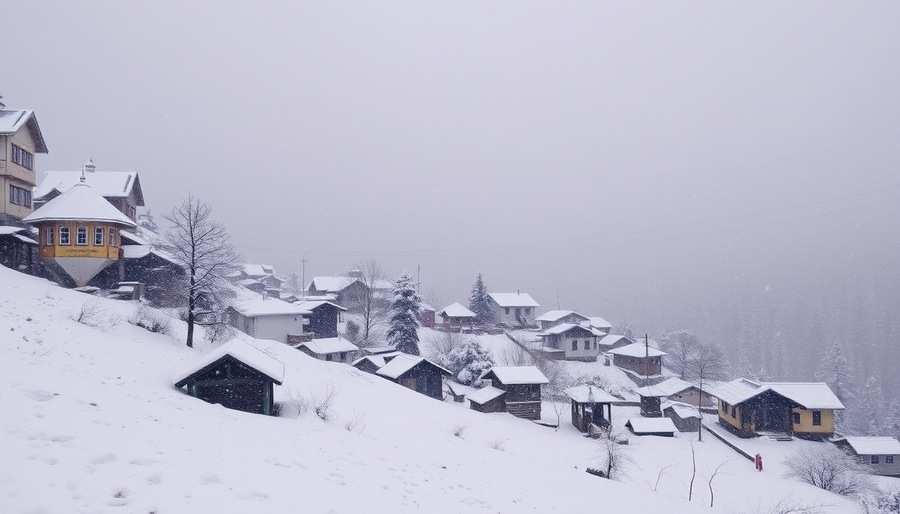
(627, 159)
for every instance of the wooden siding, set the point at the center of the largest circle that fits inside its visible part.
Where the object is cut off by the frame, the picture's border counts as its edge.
(234, 385)
(525, 410)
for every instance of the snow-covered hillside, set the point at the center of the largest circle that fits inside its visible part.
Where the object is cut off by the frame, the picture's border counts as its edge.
(92, 423)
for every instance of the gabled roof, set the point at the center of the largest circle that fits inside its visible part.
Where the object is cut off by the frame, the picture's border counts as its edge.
(11, 120)
(683, 410)
(809, 395)
(485, 394)
(512, 375)
(259, 306)
(562, 328)
(80, 203)
(332, 284)
(558, 315)
(589, 394)
(109, 184)
(651, 425)
(248, 355)
(456, 310)
(513, 300)
(650, 391)
(377, 360)
(874, 445)
(253, 270)
(637, 350)
(600, 323)
(329, 345)
(612, 339)
(673, 385)
(312, 305)
(402, 364)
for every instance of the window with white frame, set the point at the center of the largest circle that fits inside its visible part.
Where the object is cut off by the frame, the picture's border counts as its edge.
(81, 236)
(98, 236)
(48, 236)
(112, 237)
(64, 236)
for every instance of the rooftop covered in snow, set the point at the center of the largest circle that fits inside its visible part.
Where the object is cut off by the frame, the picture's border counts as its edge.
(637, 350)
(874, 445)
(12, 120)
(79, 203)
(590, 394)
(403, 363)
(241, 351)
(809, 395)
(266, 306)
(558, 315)
(109, 184)
(485, 394)
(512, 375)
(513, 300)
(329, 345)
(457, 310)
(642, 425)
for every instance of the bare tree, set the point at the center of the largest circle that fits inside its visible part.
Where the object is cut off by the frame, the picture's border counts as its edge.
(705, 362)
(710, 482)
(678, 346)
(201, 246)
(372, 307)
(827, 467)
(615, 453)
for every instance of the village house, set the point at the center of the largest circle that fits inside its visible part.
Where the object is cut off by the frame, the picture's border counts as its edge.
(639, 358)
(598, 323)
(20, 140)
(427, 315)
(513, 309)
(122, 189)
(552, 318)
(802, 409)
(416, 373)
(879, 454)
(372, 363)
(79, 235)
(612, 341)
(237, 376)
(570, 342)
(588, 406)
(678, 390)
(18, 249)
(513, 389)
(268, 318)
(456, 315)
(323, 318)
(347, 292)
(332, 349)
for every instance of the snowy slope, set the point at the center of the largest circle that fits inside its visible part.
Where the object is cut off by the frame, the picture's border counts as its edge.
(91, 423)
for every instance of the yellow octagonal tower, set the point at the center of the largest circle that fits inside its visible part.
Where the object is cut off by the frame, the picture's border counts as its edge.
(79, 231)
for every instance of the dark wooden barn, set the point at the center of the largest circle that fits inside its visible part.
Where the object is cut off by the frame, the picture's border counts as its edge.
(522, 388)
(488, 399)
(651, 401)
(237, 376)
(18, 250)
(323, 322)
(588, 406)
(416, 373)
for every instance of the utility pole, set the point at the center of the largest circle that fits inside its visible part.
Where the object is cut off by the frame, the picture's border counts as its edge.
(646, 359)
(303, 262)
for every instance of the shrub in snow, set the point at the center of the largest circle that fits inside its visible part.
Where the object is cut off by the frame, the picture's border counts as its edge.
(352, 331)
(404, 328)
(827, 467)
(468, 361)
(93, 314)
(151, 320)
(882, 502)
(323, 402)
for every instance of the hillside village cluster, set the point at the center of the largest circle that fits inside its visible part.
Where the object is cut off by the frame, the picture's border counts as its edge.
(82, 229)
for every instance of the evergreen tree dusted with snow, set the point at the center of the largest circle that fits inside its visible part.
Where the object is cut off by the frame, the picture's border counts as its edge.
(468, 361)
(480, 302)
(403, 333)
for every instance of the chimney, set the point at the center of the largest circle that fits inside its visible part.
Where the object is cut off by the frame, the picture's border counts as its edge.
(89, 167)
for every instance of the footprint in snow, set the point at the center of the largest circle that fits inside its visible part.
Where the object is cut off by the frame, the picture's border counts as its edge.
(210, 478)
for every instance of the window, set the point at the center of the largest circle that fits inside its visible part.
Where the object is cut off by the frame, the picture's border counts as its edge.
(19, 196)
(506, 309)
(81, 236)
(724, 407)
(98, 236)
(22, 157)
(875, 459)
(574, 345)
(112, 237)
(733, 411)
(888, 459)
(64, 236)
(796, 418)
(587, 345)
(817, 418)
(48, 236)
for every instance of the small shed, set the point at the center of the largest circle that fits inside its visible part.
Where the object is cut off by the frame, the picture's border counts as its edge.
(235, 375)
(488, 399)
(685, 417)
(662, 427)
(613, 341)
(651, 400)
(323, 318)
(459, 391)
(522, 385)
(416, 373)
(456, 315)
(640, 358)
(427, 315)
(588, 404)
(332, 349)
(369, 363)
(880, 454)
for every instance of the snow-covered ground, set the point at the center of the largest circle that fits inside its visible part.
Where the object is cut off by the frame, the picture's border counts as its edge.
(92, 423)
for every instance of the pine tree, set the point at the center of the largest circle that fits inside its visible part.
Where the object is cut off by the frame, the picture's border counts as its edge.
(468, 361)
(480, 302)
(834, 370)
(403, 333)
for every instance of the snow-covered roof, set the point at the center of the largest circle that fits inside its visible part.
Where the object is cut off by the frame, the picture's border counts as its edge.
(379, 350)
(80, 203)
(24, 239)
(312, 305)
(485, 394)
(460, 389)
(809, 395)
(650, 391)
(330, 345)
(562, 328)
(511, 375)
(610, 340)
(259, 306)
(637, 350)
(377, 360)
(244, 352)
(6, 230)
(673, 385)
(589, 394)
(643, 425)
(139, 251)
(598, 322)
(109, 184)
(403, 363)
(683, 410)
(558, 315)
(332, 284)
(253, 270)
(457, 310)
(133, 237)
(874, 445)
(11, 120)
(513, 300)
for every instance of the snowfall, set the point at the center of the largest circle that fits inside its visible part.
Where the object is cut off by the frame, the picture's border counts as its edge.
(92, 423)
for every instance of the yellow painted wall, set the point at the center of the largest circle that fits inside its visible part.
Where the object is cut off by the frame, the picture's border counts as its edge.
(76, 250)
(726, 416)
(806, 421)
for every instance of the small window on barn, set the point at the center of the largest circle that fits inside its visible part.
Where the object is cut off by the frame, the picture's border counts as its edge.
(875, 459)
(888, 459)
(733, 411)
(587, 345)
(64, 236)
(796, 418)
(81, 236)
(817, 418)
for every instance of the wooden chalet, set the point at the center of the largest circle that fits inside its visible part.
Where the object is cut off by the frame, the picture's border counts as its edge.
(323, 318)
(639, 358)
(416, 373)
(237, 376)
(802, 409)
(519, 391)
(651, 401)
(588, 405)
(18, 249)
(662, 427)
